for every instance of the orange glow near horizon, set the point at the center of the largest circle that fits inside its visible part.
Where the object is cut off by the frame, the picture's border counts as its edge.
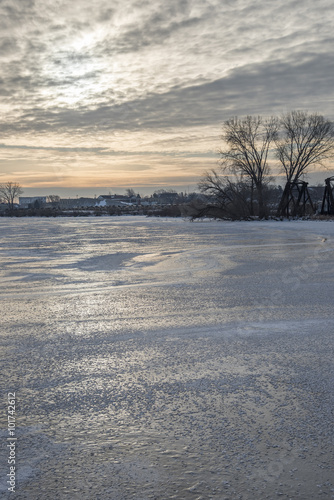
(153, 158)
(149, 160)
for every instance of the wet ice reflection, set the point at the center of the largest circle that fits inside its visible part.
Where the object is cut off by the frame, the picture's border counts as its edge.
(150, 361)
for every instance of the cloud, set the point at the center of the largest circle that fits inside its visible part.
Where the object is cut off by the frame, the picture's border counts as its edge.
(108, 152)
(83, 69)
(263, 88)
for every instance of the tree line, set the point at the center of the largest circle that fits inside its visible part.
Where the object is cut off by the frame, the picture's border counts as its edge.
(297, 140)
(9, 191)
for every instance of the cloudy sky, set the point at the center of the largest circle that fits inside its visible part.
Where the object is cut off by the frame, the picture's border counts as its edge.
(111, 94)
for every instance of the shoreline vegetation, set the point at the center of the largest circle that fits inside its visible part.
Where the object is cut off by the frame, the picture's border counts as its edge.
(175, 211)
(168, 211)
(230, 201)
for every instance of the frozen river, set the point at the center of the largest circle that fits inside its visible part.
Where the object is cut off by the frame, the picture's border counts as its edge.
(164, 359)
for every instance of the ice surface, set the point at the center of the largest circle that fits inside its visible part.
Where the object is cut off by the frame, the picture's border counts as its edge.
(160, 358)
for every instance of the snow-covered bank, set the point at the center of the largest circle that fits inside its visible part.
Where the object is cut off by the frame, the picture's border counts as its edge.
(168, 359)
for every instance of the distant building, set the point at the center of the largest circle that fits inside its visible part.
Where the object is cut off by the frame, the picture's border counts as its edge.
(116, 200)
(32, 201)
(166, 197)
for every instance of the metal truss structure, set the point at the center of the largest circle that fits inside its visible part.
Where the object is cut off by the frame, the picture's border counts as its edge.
(296, 200)
(327, 207)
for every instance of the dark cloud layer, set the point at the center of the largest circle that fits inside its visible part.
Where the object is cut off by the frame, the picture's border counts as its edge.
(263, 88)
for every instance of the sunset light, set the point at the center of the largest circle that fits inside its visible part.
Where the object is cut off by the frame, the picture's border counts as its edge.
(102, 95)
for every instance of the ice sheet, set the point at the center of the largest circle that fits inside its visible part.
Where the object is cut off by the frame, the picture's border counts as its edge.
(160, 358)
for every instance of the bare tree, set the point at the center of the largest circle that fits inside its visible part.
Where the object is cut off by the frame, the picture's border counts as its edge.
(225, 198)
(53, 198)
(9, 191)
(306, 139)
(130, 192)
(248, 141)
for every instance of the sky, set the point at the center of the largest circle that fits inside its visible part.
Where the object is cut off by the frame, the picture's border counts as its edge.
(100, 96)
